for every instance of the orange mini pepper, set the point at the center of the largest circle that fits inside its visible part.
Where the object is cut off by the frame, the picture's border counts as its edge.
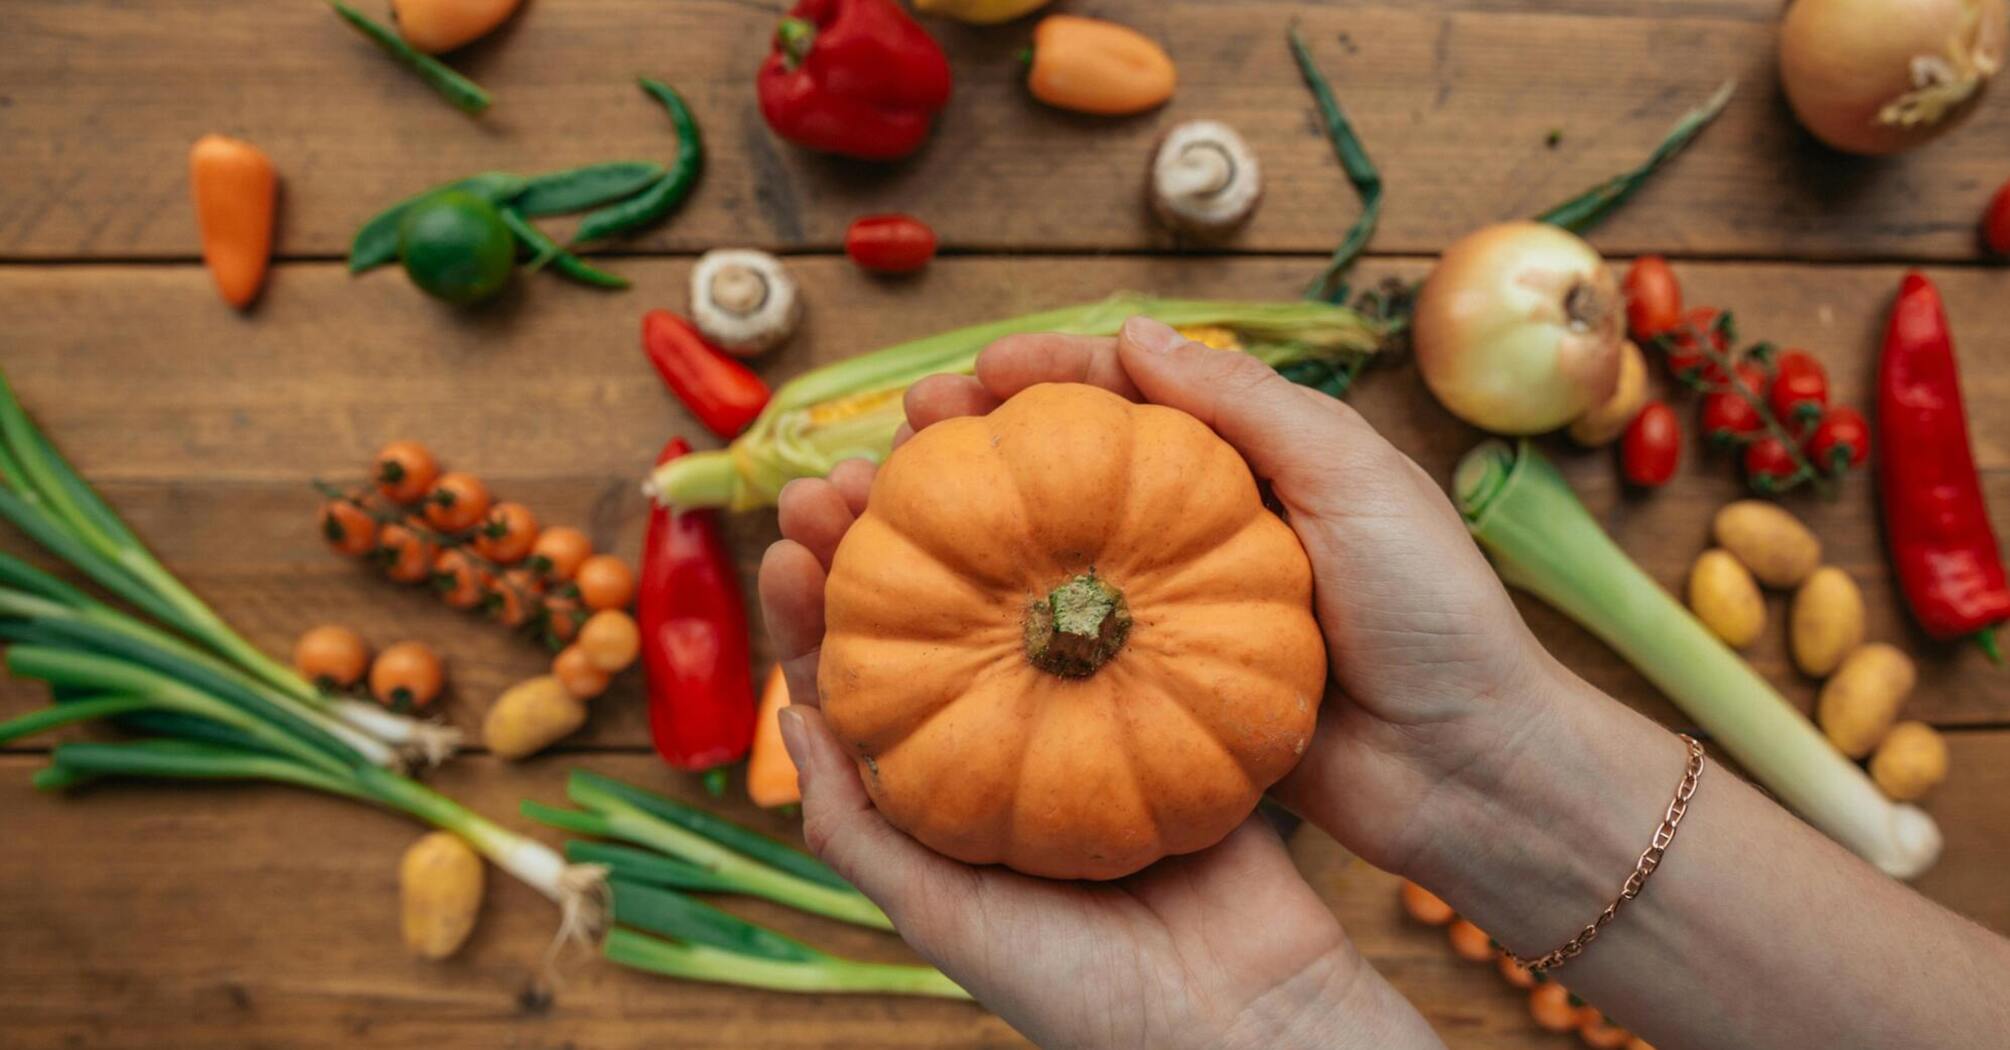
(771, 774)
(436, 26)
(236, 194)
(1093, 66)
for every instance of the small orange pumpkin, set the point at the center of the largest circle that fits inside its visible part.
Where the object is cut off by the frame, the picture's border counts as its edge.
(1068, 637)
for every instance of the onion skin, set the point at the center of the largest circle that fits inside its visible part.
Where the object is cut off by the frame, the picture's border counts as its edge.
(1518, 329)
(1848, 67)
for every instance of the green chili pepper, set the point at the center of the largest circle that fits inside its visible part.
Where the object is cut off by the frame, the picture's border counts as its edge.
(576, 189)
(1587, 209)
(665, 193)
(377, 242)
(466, 95)
(543, 249)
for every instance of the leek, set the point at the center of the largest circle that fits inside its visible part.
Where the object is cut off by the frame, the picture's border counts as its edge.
(1542, 540)
(851, 409)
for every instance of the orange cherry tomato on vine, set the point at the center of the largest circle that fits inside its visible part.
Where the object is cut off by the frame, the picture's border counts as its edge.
(509, 532)
(1686, 357)
(513, 598)
(1551, 1007)
(577, 673)
(457, 502)
(605, 582)
(407, 557)
(1652, 446)
(889, 243)
(1996, 223)
(562, 617)
(407, 673)
(404, 470)
(331, 656)
(1469, 942)
(1841, 440)
(348, 528)
(458, 579)
(1599, 1033)
(1800, 387)
(1769, 466)
(1513, 974)
(558, 552)
(1424, 906)
(1653, 298)
(610, 639)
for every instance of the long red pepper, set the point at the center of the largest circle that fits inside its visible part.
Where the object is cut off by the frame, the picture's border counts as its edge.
(723, 393)
(1935, 520)
(694, 639)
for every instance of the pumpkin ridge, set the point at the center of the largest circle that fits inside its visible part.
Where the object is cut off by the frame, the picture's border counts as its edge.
(1058, 731)
(931, 787)
(922, 452)
(1144, 686)
(1069, 562)
(895, 730)
(1176, 426)
(1177, 679)
(975, 591)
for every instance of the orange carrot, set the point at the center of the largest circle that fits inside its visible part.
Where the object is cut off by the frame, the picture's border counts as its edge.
(1424, 906)
(434, 26)
(771, 776)
(236, 194)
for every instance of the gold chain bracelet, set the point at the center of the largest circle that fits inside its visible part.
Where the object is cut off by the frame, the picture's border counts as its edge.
(1650, 859)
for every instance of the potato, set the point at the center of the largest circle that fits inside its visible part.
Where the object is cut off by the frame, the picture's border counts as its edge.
(531, 716)
(1859, 704)
(1911, 761)
(1772, 543)
(439, 893)
(1826, 622)
(1606, 422)
(1727, 601)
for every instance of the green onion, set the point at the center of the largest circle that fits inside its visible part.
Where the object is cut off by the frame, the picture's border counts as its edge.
(629, 864)
(718, 829)
(1543, 541)
(1587, 209)
(672, 914)
(1353, 160)
(698, 962)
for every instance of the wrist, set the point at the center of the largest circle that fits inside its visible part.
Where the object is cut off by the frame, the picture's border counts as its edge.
(1338, 1002)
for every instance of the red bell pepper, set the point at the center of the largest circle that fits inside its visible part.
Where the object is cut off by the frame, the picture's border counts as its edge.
(856, 77)
(1945, 553)
(724, 394)
(694, 639)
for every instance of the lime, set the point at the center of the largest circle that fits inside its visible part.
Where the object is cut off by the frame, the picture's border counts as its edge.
(455, 247)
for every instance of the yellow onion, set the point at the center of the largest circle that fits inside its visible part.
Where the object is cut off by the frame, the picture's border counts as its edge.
(1518, 330)
(1882, 76)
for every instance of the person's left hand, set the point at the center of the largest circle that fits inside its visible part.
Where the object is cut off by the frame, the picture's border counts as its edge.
(1225, 947)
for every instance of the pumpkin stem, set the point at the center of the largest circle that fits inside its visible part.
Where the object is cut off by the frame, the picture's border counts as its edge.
(1077, 628)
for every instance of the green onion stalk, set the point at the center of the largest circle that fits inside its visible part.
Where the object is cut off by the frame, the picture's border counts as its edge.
(851, 409)
(1542, 540)
(45, 497)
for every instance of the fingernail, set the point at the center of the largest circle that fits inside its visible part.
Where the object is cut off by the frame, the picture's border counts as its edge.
(1147, 334)
(792, 739)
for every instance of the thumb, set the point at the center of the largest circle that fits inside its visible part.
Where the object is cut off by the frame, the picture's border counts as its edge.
(1275, 423)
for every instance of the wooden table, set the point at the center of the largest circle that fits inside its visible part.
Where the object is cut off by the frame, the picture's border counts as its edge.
(251, 916)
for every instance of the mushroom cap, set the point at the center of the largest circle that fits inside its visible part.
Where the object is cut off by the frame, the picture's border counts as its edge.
(744, 300)
(1205, 180)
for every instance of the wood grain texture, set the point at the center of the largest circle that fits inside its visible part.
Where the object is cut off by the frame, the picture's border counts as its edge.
(1455, 99)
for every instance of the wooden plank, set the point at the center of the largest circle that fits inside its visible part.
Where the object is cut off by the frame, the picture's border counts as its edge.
(1456, 99)
(256, 916)
(205, 427)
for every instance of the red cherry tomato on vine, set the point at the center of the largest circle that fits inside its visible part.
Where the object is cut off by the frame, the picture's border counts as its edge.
(1686, 358)
(1652, 447)
(1769, 466)
(1728, 417)
(1841, 440)
(1996, 223)
(1653, 298)
(890, 243)
(1800, 388)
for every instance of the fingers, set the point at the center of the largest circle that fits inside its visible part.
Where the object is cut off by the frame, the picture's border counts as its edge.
(792, 605)
(936, 398)
(853, 479)
(815, 513)
(1018, 361)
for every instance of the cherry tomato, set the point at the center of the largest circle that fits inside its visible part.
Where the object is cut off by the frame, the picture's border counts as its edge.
(1513, 974)
(348, 528)
(605, 582)
(457, 502)
(1469, 942)
(562, 617)
(407, 673)
(1652, 446)
(1551, 1007)
(511, 599)
(1686, 357)
(890, 243)
(1653, 298)
(1424, 906)
(1727, 417)
(1599, 1033)
(331, 656)
(1800, 388)
(558, 552)
(404, 470)
(610, 639)
(576, 672)
(458, 579)
(407, 557)
(1769, 466)
(1841, 440)
(508, 535)
(1996, 223)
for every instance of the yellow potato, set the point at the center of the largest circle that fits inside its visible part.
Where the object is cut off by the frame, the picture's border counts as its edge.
(531, 716)
(1772, 543)
(1826, 622)
(1858, 705)
(440, 893)
(1727, 601)
(1606, 422)
(1911, 761)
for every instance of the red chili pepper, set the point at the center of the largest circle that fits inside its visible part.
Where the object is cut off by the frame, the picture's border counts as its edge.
(1944, 551)
(890, 243)
(721, 392)
(694, 639)
(857, 77)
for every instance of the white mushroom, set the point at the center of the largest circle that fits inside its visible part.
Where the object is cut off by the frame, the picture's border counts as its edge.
(744, 300)
(1205, 180)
